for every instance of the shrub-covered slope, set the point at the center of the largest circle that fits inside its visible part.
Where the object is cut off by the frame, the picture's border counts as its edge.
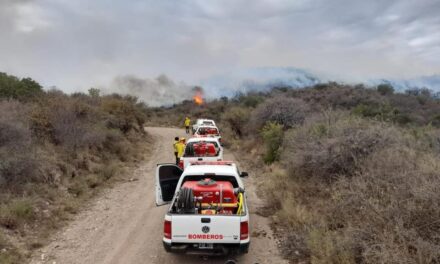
(55, 151)
(351, 175)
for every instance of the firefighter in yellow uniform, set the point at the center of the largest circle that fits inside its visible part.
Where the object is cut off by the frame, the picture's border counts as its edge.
(176, 140)
(187, 124)
(180, 147)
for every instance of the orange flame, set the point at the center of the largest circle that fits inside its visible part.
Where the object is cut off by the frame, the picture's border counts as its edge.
(198, 98)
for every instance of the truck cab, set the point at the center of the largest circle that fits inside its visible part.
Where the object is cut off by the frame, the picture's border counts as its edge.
(208, 213)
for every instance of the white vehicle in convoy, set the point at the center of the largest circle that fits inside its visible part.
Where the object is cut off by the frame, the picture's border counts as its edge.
(202, 122)
(208, 213)
(201, 149)
(208, 131)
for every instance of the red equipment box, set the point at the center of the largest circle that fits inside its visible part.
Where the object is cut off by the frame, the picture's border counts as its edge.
(204, 149)
(209, 189)
(208, 131)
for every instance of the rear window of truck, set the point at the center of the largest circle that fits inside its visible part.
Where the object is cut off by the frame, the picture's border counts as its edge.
(207, 131)
(192, 151)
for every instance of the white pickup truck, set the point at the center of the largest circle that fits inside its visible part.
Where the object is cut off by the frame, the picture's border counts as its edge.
(208, 131)
(202, 122)
(208, 213)
(201, 149)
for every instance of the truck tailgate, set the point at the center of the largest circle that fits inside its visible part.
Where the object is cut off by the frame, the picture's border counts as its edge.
(187, 161)
(205, 229)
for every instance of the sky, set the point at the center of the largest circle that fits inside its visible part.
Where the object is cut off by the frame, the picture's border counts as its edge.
(74, 45)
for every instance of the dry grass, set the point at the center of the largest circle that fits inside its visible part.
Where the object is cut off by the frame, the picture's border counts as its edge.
(57, 151)
(15, 213)
(333, 146)
(359, 191)
(288, 112)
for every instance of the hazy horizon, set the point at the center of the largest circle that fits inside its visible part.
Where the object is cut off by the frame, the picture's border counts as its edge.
(75, 45)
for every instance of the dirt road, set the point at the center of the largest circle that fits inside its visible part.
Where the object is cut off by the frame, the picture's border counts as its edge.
(123, 225)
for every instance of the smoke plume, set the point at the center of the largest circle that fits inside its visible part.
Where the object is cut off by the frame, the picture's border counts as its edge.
(155, 92)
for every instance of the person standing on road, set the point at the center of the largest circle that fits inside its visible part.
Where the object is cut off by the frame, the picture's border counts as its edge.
(176, 141)
(187, 124)
(180, 147)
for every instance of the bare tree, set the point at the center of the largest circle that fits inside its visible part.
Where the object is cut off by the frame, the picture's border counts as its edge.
(288, 112)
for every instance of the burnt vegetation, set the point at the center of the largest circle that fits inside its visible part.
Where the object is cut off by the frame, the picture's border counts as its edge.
(352, 174)
(55, 151)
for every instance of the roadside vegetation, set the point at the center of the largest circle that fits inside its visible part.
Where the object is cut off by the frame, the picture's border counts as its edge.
(56, 151)
(350, 174)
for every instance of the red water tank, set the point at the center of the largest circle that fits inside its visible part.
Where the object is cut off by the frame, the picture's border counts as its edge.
(209, 189)
(204, 149)
(199, 149)
(210, 148)
(212, 131)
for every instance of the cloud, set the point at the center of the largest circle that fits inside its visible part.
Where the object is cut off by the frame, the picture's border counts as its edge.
(78, 44)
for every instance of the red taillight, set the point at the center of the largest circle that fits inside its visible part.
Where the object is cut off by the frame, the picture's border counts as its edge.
(167, 229)
(244, 230)
(181, 164)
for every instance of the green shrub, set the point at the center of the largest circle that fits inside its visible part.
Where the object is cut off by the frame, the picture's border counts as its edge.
(402, 119)
(385, 89)
(272, 134)
(422, 99)
(237, 118)
(94, 92)
(252, 100)
(366, 110)
(320, 86)
(382, 112)
(12, 87)
(124, 113)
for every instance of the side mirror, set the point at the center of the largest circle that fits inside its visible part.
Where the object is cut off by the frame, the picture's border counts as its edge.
(244, 174)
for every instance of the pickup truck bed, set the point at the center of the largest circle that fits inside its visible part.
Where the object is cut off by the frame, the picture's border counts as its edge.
(191, 155)
(204, 220)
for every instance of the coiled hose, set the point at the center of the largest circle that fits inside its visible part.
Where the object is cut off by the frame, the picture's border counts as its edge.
(185, 201)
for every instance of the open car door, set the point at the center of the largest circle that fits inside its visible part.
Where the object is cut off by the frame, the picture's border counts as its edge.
(167, 177)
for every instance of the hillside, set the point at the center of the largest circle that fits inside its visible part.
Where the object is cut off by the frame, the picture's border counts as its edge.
(350, 175)
(264, 78)
(57, 151)
(429, 82)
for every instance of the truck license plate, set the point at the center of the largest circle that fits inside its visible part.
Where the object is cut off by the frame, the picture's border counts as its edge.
(206, 246)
